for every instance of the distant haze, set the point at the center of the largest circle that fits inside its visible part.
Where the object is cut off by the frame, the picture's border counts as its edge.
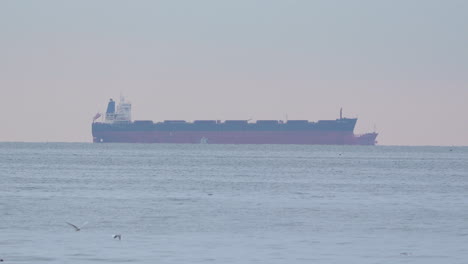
(401, 67)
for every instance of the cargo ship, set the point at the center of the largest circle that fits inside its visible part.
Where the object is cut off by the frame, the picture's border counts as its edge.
(116, 125)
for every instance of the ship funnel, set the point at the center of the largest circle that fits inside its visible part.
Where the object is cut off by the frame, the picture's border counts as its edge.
(110, 107)
(110, 112)
(341, 113)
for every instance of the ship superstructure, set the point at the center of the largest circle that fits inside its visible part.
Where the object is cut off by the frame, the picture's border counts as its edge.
(123, 113)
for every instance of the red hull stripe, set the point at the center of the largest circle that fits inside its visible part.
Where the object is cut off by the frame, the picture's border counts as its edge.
(245, 137)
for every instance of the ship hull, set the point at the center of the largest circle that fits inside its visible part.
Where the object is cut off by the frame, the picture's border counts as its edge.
(118, 128)
(236, 137)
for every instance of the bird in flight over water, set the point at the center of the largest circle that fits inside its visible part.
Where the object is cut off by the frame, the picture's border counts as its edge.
(76, 227)
(117, 236)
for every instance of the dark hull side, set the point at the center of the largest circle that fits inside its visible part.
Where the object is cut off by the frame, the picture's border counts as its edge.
(236, 137)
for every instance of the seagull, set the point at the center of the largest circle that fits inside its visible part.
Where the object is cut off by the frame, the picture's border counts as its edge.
(117, 236)
(76, 227)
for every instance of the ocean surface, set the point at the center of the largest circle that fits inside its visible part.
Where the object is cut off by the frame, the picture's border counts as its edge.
(232, 203)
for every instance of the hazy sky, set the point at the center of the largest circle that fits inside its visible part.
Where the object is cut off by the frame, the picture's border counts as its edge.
(399, 66)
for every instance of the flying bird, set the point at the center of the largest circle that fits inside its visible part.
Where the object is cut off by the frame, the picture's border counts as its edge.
(76, 227)
(117, 236)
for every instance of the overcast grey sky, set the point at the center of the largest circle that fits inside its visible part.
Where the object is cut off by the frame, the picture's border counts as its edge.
(400, 66)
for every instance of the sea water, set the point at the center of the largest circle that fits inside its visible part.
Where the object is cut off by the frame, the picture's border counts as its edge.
(232, 203)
